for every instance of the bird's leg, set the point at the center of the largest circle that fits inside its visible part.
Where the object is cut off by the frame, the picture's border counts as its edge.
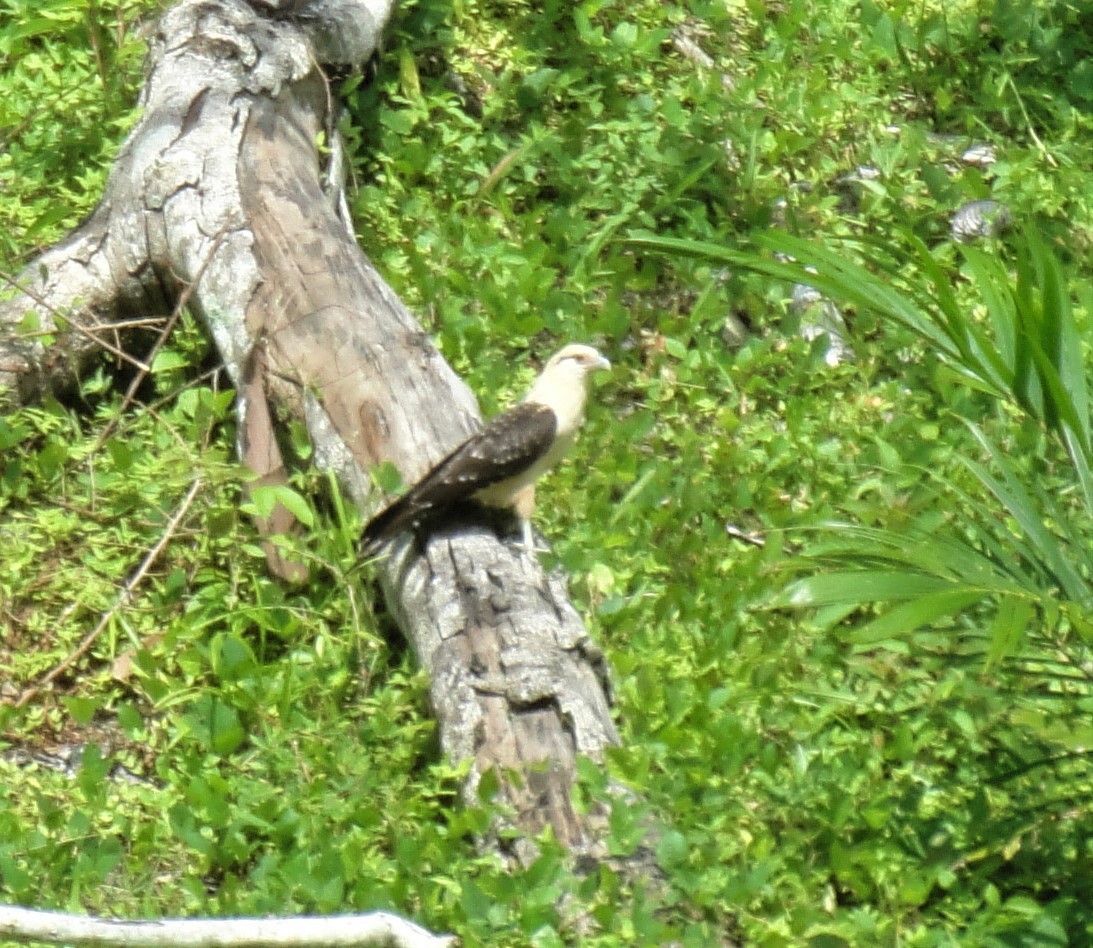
(524, 506)
(528, 546)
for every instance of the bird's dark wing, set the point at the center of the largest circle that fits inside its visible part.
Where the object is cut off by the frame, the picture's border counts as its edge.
(509, 444)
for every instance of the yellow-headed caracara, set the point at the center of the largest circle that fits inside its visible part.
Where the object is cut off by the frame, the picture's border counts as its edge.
(498, 466)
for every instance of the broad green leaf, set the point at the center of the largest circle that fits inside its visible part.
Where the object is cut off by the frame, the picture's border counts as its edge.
(860, 587)
(1017, 501)
(907, 617)
(167, 359)
(264, 498)
(1009, 628)
(993, 283)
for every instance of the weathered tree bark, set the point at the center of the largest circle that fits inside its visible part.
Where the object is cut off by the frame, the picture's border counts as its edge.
(219, 193)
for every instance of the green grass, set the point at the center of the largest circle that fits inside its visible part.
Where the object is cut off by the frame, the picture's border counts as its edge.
(871, 729)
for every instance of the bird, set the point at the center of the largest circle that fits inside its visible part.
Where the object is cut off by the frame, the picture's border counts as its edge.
(498, 465)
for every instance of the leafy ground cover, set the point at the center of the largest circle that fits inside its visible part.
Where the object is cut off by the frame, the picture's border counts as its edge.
(866, 725)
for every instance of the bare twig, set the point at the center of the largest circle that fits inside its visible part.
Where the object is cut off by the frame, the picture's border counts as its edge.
(141, 323)
(382, 929)
(82, 330)
(123, 598)
(161, 339)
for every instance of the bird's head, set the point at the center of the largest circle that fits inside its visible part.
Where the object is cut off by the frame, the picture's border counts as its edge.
(563, 383)
(576, 360)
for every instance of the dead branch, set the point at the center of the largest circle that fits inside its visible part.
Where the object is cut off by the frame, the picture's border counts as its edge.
(378, 929)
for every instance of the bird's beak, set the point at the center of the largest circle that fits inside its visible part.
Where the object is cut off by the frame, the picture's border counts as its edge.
(601, 364)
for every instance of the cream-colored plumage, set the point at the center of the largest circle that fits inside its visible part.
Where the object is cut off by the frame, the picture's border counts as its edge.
(562, 387)
(499, 465)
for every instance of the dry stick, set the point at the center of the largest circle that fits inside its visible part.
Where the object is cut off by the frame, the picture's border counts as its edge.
(123, 598)
(383, 929)
(102, 343)
(138, 323)
(101, 327)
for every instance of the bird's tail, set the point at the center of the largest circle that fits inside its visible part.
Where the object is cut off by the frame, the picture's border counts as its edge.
(389, 522)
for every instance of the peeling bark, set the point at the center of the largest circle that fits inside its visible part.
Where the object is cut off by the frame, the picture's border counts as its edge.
(219, 192)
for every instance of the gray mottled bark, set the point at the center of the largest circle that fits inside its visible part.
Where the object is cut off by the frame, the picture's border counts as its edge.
(219, 194)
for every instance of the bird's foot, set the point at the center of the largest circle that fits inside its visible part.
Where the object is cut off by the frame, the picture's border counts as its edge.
(528, 546)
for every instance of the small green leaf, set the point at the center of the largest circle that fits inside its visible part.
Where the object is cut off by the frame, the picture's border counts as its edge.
(264, 498)
(409, 81)
(167, 359)
(488, 785)
(387, 477)
(82, 709)
(232, 658)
